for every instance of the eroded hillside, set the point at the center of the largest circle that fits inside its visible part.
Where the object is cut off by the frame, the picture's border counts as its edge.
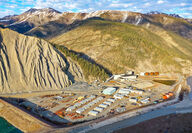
(32, 64)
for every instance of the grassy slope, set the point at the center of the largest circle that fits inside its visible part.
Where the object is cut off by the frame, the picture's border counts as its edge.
(119, 46)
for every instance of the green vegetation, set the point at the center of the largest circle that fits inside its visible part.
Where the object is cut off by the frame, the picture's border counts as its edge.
(121, 46)
(166, 82)
(90, 69)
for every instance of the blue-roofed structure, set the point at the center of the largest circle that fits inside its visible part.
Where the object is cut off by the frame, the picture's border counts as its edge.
(109, 91)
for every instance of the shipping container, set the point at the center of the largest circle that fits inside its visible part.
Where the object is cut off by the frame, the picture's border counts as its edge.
(147, 74)
(156, 73)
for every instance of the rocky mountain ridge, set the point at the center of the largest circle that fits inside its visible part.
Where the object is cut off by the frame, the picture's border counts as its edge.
(46, 23)
(30, 19)
(174, 24)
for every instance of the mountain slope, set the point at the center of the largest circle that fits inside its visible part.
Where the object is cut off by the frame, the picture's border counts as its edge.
(47, 22)
(120, 47)
(30, 19)
(29, 63)
(170, 22)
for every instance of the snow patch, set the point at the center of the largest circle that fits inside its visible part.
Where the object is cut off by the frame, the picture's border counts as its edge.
(138, 19)
(125, 16)
(19, 22)
(75, 16)
(147, 26)
(95, 14)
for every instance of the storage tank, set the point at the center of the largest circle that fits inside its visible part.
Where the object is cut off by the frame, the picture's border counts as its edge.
(170, 94)
(146, 74)
(142, 74)
(156, 73)
(165, 97)
(152, 73)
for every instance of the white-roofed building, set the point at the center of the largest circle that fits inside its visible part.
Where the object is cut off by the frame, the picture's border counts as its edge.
(111, 100)
(80, 110)
(70, 108)
(142, 74)
(99, 109)
(107, 102)
(118, 96)
(144, 101)
(133, 99)
(124, 91)
(77, 105)
(130, 72)
(129, 77)
(93, 113)
(131, 90)
(103, 105)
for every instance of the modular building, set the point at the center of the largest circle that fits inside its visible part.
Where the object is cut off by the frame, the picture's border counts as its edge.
(142, 74)
(133, 99)
(80, 97)
(81, 110)
(144, 101)
(70, 108)
(115, 77)
(107, 102)
(86, 106)
(109, 91)
(93, 113)
(129, 77)
(131, 90)
(124, 91)
(111, 100)
(86, 100)
(118, 96)
(140, 92)
(58, 97)
(77, 105)
(130, 72)
(99, 109)
(103, 105)
(83, 101)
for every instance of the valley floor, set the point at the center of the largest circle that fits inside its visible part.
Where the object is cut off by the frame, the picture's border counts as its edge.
(35, 123)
